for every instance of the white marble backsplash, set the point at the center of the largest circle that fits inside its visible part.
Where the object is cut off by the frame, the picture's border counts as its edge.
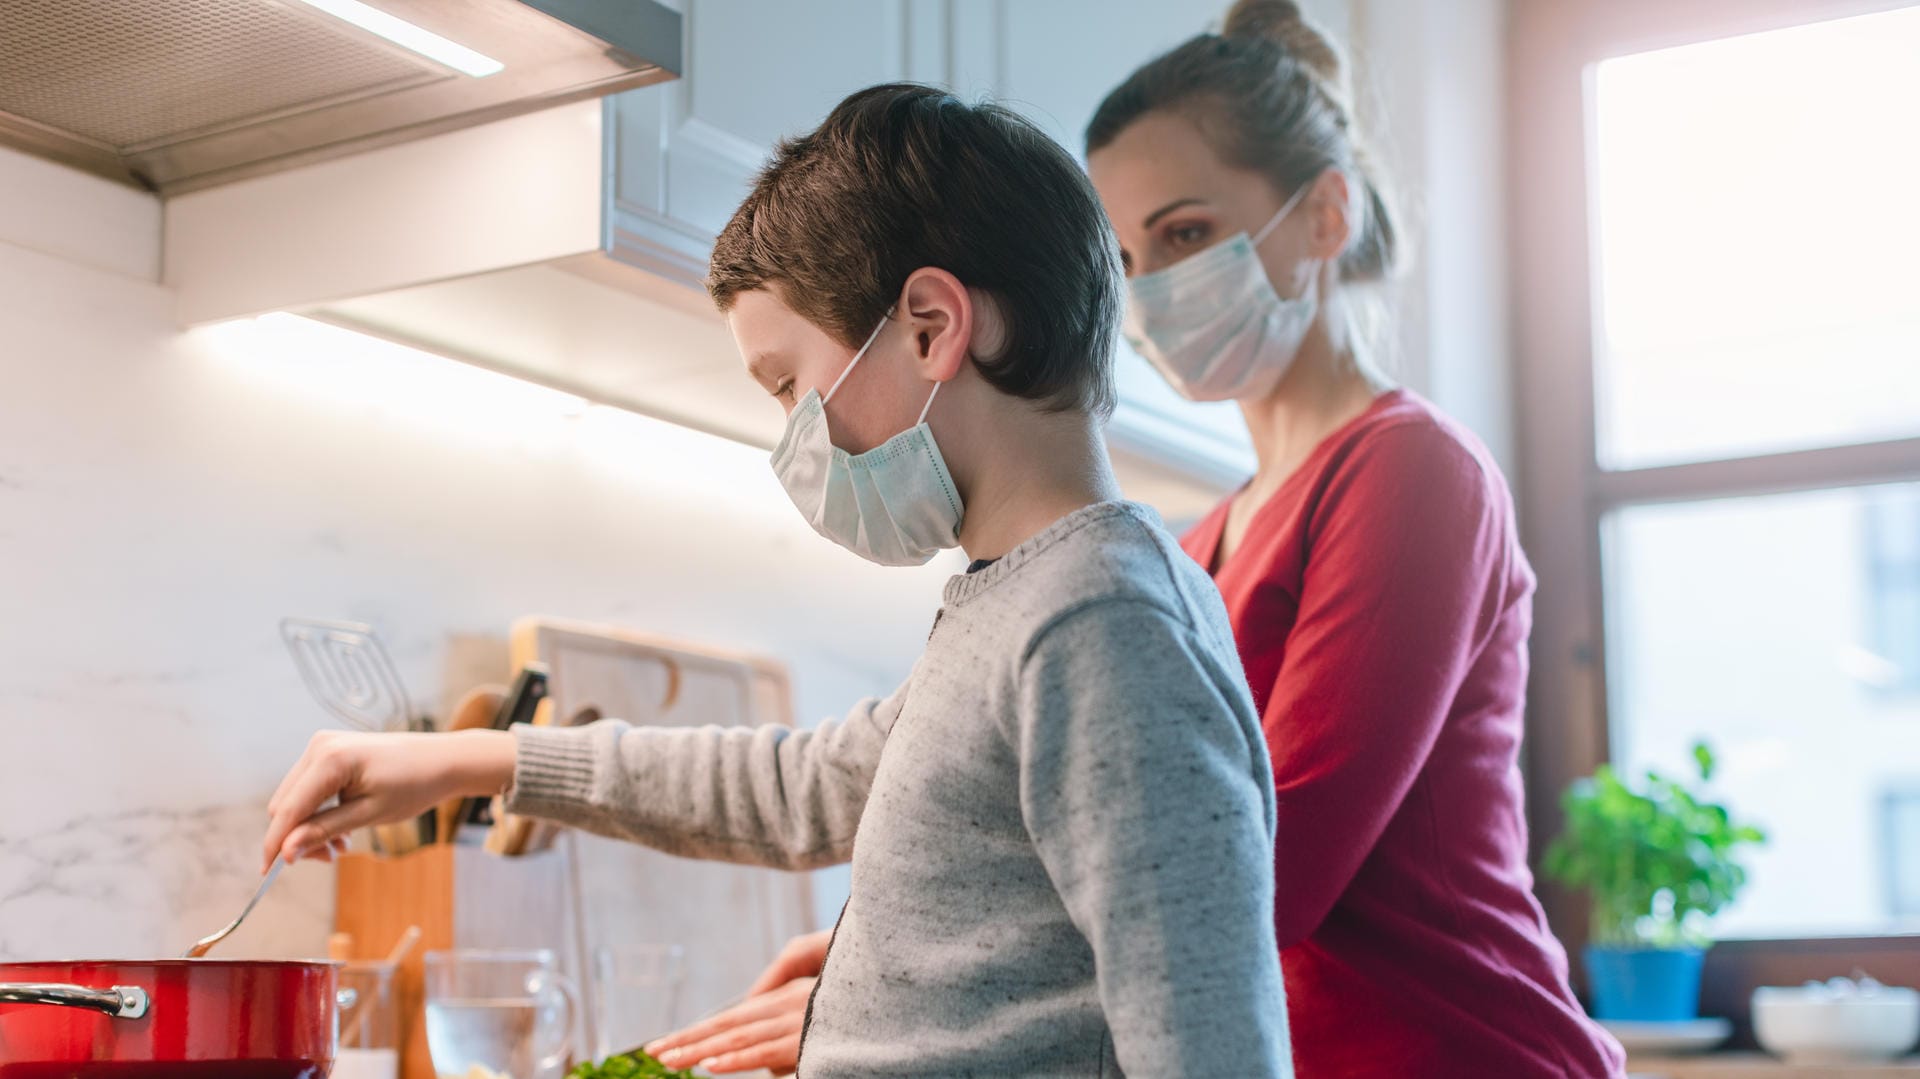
(166, 498)
(147, 883)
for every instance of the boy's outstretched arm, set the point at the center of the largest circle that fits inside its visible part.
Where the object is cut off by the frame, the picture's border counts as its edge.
(768, 796)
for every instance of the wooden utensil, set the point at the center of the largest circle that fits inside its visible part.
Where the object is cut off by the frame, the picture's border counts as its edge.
(513, 836)
(542, 834)
(475, 711)
(402, 837)
(401, 949)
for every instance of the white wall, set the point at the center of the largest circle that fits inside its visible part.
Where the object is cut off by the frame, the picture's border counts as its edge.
(165, 498)
(1431, 81)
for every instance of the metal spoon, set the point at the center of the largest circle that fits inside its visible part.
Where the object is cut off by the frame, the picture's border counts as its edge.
(206, 943)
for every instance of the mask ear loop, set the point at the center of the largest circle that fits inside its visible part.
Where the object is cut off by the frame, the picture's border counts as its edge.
(1313, 281)
(855, 362)
(1273, 222)
(929, 405)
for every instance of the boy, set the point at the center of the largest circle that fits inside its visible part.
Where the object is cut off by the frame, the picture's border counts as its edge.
(1064, 818)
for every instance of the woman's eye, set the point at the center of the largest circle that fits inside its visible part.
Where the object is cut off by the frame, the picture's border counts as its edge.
(785, 390)
(1188, 235)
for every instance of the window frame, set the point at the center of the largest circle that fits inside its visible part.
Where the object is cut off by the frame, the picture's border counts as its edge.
(1898, 572)
(1552, 47)
(1891, 803)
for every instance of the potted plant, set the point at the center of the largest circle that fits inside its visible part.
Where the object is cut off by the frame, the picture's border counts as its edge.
(1658, 862)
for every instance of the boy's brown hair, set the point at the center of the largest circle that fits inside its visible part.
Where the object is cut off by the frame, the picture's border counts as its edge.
(903, 176)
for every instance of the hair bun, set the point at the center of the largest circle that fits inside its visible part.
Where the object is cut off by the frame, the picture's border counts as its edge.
(1283, 23)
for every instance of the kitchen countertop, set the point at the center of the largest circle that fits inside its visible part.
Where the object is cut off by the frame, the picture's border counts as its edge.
(1761, 1066)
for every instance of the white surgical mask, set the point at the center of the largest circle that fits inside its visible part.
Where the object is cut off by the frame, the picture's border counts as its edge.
(894, 504)
(1212, 325)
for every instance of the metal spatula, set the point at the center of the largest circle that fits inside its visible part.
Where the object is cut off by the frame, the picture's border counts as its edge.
(349, 672)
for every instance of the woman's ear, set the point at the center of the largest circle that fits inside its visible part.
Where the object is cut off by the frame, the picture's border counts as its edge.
(939, 311)
(1330, 215)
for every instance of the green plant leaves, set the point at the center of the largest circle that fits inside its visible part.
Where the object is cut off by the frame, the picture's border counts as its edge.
(1658, 861)
(634, 1065)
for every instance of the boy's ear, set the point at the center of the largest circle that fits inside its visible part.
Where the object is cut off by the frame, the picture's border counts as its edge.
(940, 312)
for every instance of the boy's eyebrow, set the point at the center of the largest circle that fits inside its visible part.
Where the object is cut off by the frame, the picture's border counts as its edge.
(1167, 209)
(756, 365)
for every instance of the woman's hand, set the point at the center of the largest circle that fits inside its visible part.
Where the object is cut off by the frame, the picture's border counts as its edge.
(378, 779)
(764, 1030)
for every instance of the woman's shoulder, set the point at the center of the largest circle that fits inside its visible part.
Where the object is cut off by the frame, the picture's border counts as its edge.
(1400, 460)
(1405, 440)
(1403, 417)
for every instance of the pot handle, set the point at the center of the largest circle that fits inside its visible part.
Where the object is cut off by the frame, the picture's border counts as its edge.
(121, 1001)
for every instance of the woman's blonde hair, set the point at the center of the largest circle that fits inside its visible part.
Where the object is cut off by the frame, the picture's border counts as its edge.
(1270, 93)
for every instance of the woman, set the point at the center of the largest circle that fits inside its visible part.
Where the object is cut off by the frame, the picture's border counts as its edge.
(1379, 598)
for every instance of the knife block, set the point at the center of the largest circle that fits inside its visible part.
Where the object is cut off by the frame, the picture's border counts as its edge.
(461, 897)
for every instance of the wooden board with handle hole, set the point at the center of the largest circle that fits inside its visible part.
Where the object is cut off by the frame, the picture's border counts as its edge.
(731, 920)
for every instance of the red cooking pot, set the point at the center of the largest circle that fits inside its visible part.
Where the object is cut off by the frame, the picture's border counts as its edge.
(167, 1019)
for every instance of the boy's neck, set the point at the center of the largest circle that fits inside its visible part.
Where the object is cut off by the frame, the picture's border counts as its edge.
(1060, 465)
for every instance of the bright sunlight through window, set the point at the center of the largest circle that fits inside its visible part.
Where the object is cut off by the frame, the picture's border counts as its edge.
(1756, 208)
(1757, 211)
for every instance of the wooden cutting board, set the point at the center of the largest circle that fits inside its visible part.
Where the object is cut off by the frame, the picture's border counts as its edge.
(732, 920)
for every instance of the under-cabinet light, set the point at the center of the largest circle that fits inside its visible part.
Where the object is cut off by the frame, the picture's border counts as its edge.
(408, 36)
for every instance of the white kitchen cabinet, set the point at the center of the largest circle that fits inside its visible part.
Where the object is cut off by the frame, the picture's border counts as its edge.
(682, 159)
(569, 245)
(683, 154)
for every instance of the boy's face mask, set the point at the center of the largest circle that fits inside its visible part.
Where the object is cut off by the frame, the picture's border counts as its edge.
(894, 504)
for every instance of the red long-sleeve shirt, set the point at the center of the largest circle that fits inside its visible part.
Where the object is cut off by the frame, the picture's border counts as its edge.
(1381, 604)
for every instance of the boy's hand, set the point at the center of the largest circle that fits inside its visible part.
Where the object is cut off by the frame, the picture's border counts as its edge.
(379, 779)
(764, 1030)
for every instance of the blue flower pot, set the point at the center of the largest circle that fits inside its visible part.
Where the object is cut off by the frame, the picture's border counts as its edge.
(1656, 985)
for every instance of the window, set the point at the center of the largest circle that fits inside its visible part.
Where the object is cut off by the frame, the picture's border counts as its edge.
(1751, 621)
(1893, 592)
(1716, 221)
(1755, 293)
(1900, 851)
(1757, 206)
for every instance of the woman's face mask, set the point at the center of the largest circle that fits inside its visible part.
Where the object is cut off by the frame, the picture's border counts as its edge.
(1212, 324)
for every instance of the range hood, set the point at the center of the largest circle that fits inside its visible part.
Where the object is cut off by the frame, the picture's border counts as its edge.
(187, 94)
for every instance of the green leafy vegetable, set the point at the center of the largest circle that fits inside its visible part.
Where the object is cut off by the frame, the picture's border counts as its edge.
(1659, 861)
(634, 1065)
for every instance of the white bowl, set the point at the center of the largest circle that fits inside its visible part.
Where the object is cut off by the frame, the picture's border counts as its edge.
(1814, 1025)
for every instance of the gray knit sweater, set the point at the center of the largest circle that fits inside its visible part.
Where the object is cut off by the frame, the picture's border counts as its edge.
(1061, 826)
